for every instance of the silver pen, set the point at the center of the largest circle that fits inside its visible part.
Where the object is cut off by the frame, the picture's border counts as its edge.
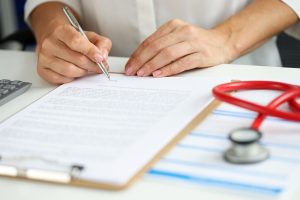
(77, 26)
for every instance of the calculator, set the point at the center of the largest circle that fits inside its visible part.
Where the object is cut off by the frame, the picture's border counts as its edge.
(11, 89)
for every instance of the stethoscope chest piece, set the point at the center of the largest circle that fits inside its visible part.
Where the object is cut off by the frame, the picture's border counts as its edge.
(246, 148)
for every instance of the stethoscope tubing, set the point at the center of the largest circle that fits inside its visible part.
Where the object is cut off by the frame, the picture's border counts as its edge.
(289, 95)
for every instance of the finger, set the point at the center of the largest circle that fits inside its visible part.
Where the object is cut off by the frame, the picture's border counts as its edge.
(53, 77)
(104, 44)
(165, 57)
(162, 31)
(62, 67)
(186, 63)
(148, 52)
(59, 50)
(75, 41)
(165, 29)
(105, 64)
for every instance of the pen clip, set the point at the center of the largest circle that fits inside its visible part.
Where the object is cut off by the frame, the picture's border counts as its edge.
(71, 18)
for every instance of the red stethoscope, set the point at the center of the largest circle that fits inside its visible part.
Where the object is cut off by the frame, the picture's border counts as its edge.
(245, 142)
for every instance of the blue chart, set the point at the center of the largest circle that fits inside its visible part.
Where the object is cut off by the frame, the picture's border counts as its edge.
(197, 159)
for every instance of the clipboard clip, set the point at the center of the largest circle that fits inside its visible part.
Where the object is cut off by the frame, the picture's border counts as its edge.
(65, 174)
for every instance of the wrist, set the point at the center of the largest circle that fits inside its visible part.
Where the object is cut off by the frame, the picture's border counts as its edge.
(44, 22)
(49, 29)
(227, 38)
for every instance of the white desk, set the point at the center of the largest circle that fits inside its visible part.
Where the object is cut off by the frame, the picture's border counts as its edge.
(20, 65)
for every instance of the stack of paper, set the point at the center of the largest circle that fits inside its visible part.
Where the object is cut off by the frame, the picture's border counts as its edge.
(113, 129)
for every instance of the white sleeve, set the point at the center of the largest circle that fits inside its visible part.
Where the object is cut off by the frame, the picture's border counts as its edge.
(32, 4)
(295, 6)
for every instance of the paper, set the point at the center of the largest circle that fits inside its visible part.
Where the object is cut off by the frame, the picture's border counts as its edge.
(198, 158)
(112, 128)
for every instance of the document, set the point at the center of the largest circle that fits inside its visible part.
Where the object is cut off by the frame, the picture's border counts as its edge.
(198, 159)
(111, 128)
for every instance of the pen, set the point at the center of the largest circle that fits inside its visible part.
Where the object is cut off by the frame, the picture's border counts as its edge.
(77, 26)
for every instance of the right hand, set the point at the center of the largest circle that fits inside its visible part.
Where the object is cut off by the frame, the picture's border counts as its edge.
(64, 54)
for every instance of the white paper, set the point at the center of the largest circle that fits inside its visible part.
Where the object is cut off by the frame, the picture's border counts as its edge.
(112, 128)
(198, 159)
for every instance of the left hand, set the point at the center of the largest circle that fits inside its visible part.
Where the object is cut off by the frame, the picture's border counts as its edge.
(176, 47)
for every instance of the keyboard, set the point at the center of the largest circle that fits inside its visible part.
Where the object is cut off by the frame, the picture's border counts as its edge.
(11, 89)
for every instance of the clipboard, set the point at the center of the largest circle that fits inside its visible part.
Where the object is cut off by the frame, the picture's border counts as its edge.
(69, 174)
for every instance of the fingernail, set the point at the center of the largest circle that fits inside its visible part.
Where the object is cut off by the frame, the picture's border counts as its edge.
(141, 72)
(157, 73)
(129, 71)
(98, 57)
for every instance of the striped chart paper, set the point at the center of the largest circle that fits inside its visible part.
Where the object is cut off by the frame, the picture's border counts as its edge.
(197, 159)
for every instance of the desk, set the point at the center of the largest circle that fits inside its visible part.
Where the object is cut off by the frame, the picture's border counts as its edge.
(21, 65)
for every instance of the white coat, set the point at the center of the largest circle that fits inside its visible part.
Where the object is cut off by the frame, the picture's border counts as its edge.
(128, 22)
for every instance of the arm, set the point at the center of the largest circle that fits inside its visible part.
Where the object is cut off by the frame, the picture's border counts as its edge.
(62, 53)
(257, 23)
(178, 46)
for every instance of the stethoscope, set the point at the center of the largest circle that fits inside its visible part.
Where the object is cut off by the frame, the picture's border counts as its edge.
(246, 148)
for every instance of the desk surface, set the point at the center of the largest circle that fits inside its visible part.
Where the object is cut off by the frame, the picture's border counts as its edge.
(20, 65)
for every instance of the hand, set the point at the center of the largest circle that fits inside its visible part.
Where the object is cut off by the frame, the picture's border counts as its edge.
(176, 47)
(64, 54)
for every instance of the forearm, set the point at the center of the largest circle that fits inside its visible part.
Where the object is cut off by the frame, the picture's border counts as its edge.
(258, 22)
(47, 16)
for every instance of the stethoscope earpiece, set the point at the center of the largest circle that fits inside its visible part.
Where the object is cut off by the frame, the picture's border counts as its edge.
(245, 148)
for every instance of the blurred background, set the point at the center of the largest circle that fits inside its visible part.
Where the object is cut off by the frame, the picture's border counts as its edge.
(15, 35)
